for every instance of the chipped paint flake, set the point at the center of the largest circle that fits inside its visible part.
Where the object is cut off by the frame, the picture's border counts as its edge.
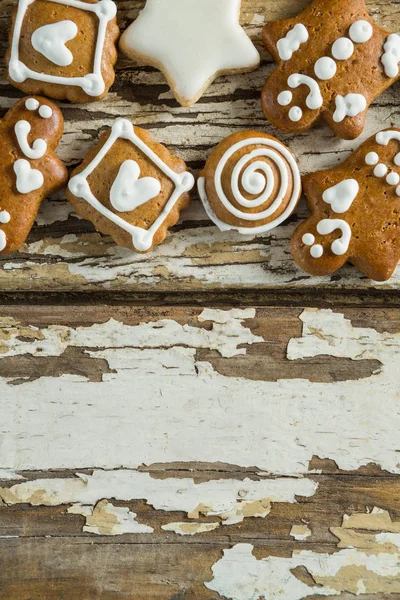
(300, 532)
(107, 519)
(189, 528)
(228, 499)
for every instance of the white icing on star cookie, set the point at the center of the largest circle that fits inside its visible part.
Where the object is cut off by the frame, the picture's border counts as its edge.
(192, 42)
(92, 83)
(121, 195)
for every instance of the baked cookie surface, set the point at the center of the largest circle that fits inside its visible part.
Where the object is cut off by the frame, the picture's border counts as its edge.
(131, 187)
(251, 183)
(29, 167)
(64, 49)
(192, 42)
(355, 212)
(333, 61)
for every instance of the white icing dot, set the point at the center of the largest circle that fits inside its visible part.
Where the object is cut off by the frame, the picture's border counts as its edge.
(317, 251)
(295, 113)
(3, 240)
(342, 49)
(398, 190)
(285, 98)
(32, 104)
(372, 158)
(380, 170)
(393, 178)
(5, 216)
(361, 32)
(308, 239)
(325, 68)
(45, 111)
(397, 160)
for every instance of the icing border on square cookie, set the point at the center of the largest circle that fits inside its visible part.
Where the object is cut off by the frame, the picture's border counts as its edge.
(79, 186)
(92, 83)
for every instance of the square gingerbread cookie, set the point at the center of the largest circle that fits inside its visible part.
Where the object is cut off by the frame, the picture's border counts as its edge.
(63, 49)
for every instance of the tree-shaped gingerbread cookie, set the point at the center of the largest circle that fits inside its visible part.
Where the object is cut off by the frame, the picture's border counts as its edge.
(355, 212)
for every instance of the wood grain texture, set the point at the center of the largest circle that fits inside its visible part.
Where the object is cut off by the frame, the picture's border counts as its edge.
(143, 448)
(157, 443)
(65, 254)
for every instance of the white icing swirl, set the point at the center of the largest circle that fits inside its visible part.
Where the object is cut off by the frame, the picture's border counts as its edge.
(257, 177)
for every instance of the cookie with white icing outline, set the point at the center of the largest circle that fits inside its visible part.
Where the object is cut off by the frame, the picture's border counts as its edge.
(333, 61)
(131, 187)
(251, 183)
(29, 167)
(63, 49)
(355, 212)
(192, 42)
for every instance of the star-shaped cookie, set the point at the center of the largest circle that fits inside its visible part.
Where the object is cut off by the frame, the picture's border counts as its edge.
(192, 42)
(355, 212)
(333, 61)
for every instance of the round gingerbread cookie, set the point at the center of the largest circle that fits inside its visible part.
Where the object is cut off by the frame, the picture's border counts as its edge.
(251, 183)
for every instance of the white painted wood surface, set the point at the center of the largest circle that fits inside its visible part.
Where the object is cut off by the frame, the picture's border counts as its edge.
(191, 452)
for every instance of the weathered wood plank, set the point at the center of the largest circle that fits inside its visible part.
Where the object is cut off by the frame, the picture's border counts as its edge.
(314, 380)
(64, 254)
(337, 539)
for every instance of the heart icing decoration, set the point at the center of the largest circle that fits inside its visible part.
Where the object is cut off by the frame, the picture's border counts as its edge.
(28, 179)
(50, 41)
(128, 191)
(342, 195)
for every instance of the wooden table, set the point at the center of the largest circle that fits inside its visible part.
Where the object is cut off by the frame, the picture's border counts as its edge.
(205, 421)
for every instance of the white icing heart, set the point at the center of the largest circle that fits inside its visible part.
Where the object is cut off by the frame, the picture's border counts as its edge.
(28, 179)
(128, 191)
(342, 195)
(50, 41)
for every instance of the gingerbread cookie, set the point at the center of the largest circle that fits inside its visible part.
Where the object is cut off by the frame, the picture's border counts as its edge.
(333, 61)
(130, 187)
(64, 49)
(355, 212)
(192, 42)
(29, 168)
(251, 183)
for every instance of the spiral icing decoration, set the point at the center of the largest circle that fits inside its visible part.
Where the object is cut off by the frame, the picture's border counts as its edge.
(251, 183)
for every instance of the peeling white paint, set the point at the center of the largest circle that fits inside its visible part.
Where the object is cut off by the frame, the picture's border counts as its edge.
(225, 336)
(230, 499)
(366, 563)
(107, 519)
(161, 404)
(240, 576)
(185, 528)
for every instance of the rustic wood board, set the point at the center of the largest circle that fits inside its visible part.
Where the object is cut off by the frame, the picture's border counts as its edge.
(198, 423)
(64, 253)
